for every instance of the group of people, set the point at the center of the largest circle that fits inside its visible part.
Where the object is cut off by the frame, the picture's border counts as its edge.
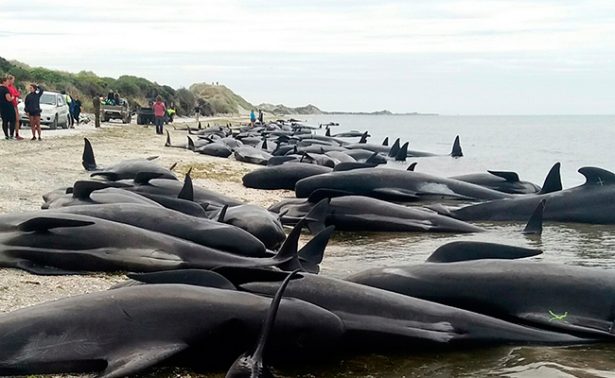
(9, 98)
(253, 117)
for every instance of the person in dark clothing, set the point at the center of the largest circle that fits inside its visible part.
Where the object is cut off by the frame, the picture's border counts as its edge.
(260, 116)
(96, 103)
(110, 98)
(7, 110)
(33, 109)
(76, 110)
(116, 100)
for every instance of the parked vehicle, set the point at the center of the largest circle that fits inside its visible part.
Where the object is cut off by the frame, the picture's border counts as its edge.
(109, 112)
(145, 115)
(54, 111)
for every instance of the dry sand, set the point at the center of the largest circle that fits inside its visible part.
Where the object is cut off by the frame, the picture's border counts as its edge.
(32, 168)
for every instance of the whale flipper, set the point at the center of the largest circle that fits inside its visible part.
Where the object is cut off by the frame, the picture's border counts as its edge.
(143, 178)
(44, 224)
(252, 365)
(197, 277)
(133, 361)
(508, 176)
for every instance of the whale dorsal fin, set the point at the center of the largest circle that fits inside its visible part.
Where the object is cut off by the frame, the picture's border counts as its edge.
(191, 144)
(187, 191)
(363, 138)
(534, 225)
(411, 167)
(597, 176)
(328, 132)
(394, 149)
(402, 154)
(88, 160)
(456, 151)
(508, 176)
(553, 181)
(385, 142)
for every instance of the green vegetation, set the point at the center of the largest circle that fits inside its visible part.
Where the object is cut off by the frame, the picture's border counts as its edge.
(213, 99)
(85, 85)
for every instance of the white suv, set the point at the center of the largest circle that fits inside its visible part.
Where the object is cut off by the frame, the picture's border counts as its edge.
(54, 111)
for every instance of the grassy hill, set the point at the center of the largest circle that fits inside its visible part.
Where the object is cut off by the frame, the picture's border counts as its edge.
(213, 99)
(221, 99)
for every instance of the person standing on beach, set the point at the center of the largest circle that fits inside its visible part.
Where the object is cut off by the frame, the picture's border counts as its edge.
(15, 93)
(159, 113)
(68, 101)
(76, 110)
(252, 117)
(96, 103)
(33, 109)
(7, 110)
(260, 116)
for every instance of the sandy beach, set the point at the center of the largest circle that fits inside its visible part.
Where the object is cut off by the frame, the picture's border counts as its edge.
(32, 168)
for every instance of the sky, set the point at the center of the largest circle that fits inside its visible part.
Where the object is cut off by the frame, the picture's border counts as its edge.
(438, 56)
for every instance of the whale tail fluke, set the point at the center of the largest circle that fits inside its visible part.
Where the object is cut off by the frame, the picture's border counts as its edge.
(534, 225)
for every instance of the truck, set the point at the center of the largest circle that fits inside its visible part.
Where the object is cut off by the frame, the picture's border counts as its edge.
(109, 112)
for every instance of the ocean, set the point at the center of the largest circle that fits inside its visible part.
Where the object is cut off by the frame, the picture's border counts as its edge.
(528, 145)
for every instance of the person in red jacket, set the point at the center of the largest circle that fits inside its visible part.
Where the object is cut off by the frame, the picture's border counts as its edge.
(16, 95)
(159, 112)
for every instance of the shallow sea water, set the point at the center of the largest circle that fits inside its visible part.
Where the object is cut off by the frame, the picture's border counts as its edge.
(528, 145)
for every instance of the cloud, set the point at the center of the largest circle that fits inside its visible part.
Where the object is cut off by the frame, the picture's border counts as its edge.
(348, 49)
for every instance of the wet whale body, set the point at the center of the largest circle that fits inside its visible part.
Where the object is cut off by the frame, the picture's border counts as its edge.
(573, 299)
(359, 213)
(283, 176)
(509, 182)
(591, 202)
(395, 185)
(126, 169)
(125, 331)
(46, 243)
(201, 231)
(376, 319)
